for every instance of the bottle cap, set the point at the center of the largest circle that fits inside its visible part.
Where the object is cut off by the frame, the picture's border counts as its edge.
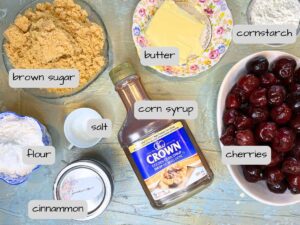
(121, 71)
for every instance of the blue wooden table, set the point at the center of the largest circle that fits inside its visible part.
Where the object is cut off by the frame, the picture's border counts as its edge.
(222, 203)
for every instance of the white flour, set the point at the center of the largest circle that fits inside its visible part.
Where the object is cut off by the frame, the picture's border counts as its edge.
(275, 12)
(16, 133)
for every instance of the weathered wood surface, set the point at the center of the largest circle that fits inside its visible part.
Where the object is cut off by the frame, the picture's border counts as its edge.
(221, 203)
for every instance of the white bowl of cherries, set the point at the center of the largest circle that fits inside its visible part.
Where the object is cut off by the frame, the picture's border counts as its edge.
(259, 104)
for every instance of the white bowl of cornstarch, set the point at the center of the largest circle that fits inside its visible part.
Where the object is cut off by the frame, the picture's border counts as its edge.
(274, 12)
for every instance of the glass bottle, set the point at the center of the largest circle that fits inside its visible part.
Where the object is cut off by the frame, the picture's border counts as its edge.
(163, 153)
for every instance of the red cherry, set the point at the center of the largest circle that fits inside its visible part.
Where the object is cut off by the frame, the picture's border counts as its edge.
(276, 95)
(243, 122)
(293, 100)
(258, 97)
(265, 132)
(284, 67)
(294, 183)
(233, 101)
(252, 173)
(258, 65)
(259, 114)
(230, 116)
(295, 123)
(244, 137)
(281, 114)
(228, 137)
(274, 175)
(295, 152)
(278, 188)
(248, 83)
(242, 95)
(291, 166)
(294, 88)
(283, 140)
(276, 158)
(268, 79)
(297, 75)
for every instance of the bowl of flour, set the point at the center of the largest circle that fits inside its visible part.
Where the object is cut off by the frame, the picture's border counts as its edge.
(17, 132)
(274, 12)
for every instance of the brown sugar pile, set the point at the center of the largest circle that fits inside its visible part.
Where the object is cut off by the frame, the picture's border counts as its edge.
(56, 35)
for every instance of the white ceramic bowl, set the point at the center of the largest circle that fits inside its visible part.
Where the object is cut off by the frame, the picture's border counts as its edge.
(75, 128)
(259, 190)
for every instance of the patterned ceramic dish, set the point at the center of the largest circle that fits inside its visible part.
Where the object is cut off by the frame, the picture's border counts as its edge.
(46, 140)
(220, 27)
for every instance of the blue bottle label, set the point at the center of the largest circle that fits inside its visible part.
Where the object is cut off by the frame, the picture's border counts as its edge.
(167, 161)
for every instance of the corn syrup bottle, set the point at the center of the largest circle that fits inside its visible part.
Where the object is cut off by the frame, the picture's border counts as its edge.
(163, 153)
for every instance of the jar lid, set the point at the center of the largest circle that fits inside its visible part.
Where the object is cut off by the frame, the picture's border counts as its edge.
(88, 181)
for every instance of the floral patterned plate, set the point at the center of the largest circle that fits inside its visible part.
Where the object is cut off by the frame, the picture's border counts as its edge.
(221, 24)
